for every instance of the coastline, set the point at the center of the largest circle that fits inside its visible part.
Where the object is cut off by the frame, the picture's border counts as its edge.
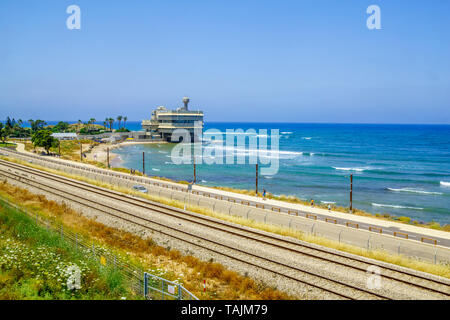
(99, 152)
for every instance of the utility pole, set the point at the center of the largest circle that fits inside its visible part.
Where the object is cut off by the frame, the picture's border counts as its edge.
(351, 193)
(256, 186)
(107, 156)
(195, 173)
(81, 152)
(143, 163)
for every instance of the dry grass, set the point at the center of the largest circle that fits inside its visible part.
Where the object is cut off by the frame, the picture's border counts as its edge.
(221, 283)
(381, 255)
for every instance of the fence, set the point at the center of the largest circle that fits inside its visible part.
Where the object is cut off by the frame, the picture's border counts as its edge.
(143, 283)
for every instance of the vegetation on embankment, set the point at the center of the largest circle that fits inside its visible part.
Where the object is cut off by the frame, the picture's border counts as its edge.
(171, 264)
(8, 145)
(35, 264)
(381, 255)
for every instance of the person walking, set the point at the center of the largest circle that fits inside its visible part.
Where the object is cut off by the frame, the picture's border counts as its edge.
(329, 207)
(312, 202)
(264, 194)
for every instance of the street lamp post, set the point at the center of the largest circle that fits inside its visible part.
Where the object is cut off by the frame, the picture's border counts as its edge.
(351, 193)
(256, 184)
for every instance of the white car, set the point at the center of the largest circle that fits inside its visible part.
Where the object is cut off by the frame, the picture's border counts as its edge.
(140, 188)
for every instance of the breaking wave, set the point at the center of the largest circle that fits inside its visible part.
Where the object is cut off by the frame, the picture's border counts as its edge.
(411, 190)
(350, 169)
(395, 206)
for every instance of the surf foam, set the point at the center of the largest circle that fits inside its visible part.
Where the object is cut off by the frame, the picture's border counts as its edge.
(411, 190)
(395, 206)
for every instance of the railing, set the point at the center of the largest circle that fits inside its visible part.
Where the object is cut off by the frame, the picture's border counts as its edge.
(157, 288)
(136, 278)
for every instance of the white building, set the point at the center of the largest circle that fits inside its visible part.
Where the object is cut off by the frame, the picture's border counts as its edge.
(163, 121)
(65, 135)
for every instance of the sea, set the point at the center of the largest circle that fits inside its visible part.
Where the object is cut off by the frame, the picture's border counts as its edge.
(402, 170)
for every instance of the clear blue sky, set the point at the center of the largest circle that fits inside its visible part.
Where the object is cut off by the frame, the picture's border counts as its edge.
(238, 60)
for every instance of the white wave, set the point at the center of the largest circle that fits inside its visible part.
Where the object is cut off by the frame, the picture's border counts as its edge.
(328, 202)
(286, 132)
(411, 190)
(350, 169)
(204, 181)
(165, 152)
(268, 177)
(261, 152)
(306, 138)
(445, 184)
(395, 206)
(154, 169)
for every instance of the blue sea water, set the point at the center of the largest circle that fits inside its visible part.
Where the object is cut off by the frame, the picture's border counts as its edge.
(397, 169)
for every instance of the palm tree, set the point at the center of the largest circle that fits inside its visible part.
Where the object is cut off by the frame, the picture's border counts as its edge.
(125, 121)
(119, 118)
(91, 121)
(111, 122)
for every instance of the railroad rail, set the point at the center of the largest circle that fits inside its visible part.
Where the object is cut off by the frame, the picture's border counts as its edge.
(339, 259)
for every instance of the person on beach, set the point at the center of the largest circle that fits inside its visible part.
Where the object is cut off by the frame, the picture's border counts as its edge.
(312, 202)
(329, 207)
(264, 194)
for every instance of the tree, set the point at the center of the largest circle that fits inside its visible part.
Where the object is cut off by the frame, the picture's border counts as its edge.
(4, 132)
(9, 123)
(111, 123)
(61, 127)
(119, 118)
(44, 139)
(125, 121)
(91, 121)
(37, 124)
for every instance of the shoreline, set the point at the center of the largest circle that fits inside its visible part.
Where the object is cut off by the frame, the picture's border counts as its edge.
(99, 152)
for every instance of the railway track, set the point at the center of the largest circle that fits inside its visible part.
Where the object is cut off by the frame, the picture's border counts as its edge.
(318, 281)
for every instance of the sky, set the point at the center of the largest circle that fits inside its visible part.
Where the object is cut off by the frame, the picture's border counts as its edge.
(238, 60)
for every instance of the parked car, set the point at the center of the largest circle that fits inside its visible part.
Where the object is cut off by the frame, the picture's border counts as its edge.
(140, 188)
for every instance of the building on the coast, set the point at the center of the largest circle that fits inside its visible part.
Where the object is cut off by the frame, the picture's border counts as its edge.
(164, 122)
(65, 135)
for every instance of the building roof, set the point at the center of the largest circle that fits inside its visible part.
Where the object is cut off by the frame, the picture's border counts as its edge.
(63, 135)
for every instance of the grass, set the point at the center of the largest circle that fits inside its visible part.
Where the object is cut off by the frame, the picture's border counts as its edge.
(8, 145)
(163, 261)
(381, 255)
(34, 262)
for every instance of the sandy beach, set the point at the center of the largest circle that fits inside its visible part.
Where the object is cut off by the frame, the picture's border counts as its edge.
(99, 153)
